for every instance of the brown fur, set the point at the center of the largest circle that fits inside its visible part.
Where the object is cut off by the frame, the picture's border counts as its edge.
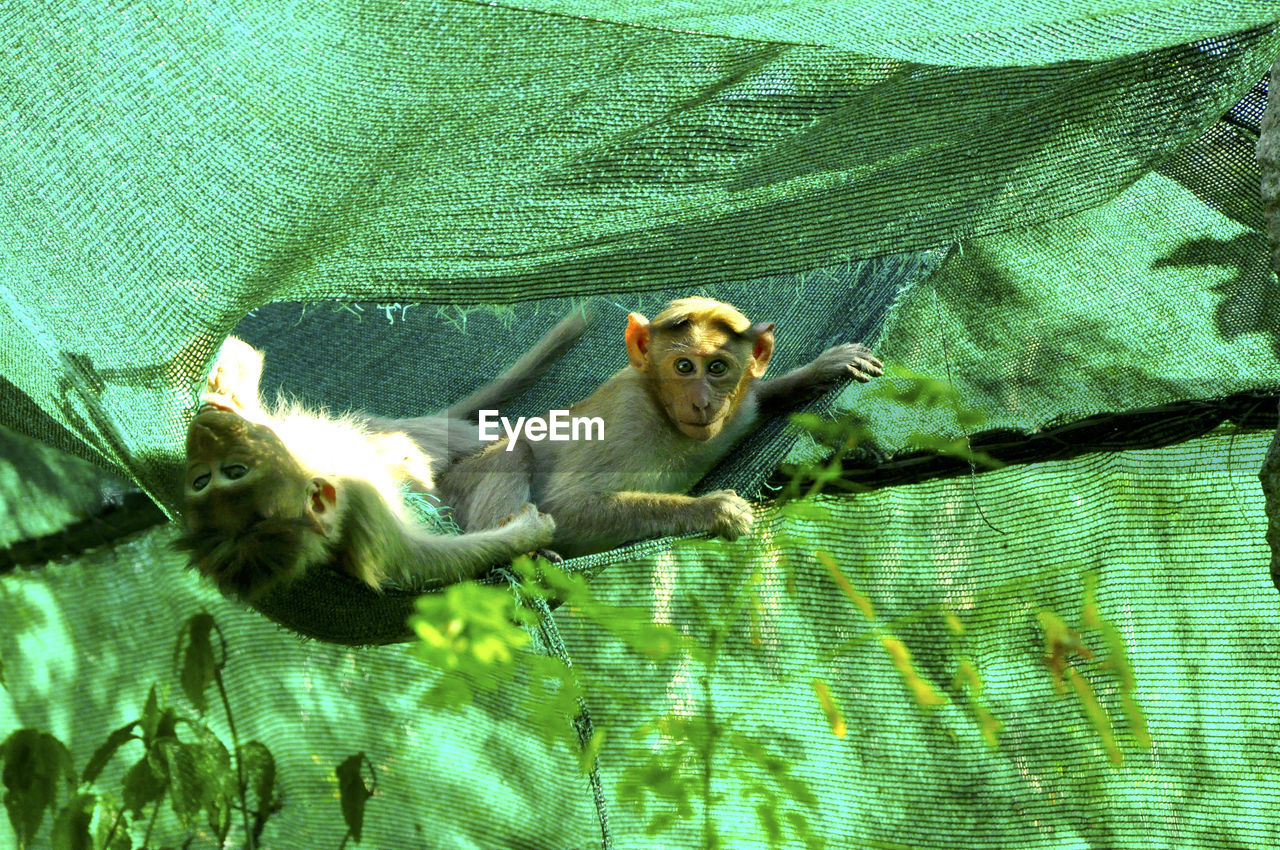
(270, 493)
(663, 430)
(705, 312)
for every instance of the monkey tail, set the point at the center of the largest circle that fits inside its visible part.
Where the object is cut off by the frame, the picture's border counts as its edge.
(533, 365)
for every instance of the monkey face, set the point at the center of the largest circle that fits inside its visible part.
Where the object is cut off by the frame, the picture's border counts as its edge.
(700, 389)
(702, 356)
(237, 469)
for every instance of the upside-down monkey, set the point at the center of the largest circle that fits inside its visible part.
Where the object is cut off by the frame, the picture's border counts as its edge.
(691, 391)
(270, 493)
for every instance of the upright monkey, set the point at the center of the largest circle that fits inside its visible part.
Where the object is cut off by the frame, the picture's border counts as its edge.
(690, 393)
(270, 493)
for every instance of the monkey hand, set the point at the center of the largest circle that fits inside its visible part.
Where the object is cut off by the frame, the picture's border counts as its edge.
(233, 381)
(841, 362)
(530, 529)
(730, 516)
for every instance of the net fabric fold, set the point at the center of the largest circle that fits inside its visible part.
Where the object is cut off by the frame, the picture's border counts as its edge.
(1062, 224)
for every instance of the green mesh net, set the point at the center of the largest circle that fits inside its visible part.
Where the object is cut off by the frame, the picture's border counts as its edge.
(1054, 207)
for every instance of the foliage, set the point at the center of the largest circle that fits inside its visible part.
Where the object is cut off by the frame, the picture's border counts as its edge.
(679, 763)
(179, 760)
(471, 639)
(472, 633)
(845, 434)
(1064, 643)
(923, 692)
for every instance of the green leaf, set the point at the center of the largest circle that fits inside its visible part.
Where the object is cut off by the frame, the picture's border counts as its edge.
(955, 447)
(71, 826)
(970, 418)
(808, 421)
(830, 708)
(197, 779)
(154, 720)
(34, 762)
(108, 812)
(1090, 618)
(452, 691)
(968, 679)
(860, 600)
(145, 782)
(472, 629)
(1096, 713)
(216, 778)
(631, 793)
(103, 754)
(798, 822)
(799, 790)
(168, 726)
(353, 792)
(1061, 643)
(198, 664)
(635, 627)
(1117, 657)
(587, 758)
(260, 775)
(924, 692)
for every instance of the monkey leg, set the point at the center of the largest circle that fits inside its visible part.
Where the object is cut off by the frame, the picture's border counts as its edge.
(487, 488)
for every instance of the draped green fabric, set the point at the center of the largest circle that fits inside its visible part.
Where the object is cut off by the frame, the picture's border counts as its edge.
(1053, 206)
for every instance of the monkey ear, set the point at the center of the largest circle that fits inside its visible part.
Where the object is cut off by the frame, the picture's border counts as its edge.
(638, 341)
(761, 348)
(322, 505)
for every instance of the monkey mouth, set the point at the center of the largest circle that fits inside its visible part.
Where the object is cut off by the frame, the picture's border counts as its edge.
(205, 407)
(699, 430)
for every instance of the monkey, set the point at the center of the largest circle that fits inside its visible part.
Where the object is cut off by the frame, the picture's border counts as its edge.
(272, 492)
(691, 390)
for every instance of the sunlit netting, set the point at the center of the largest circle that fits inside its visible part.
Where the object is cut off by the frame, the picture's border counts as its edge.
(1052, 207)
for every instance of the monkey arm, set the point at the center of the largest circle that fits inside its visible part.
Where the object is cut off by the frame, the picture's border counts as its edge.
(595, 522)
(836, 364)
(485, 489)
(375, 543)
(418, 557)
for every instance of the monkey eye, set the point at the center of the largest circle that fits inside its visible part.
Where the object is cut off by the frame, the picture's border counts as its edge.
(200, 482)
(685, 366)
(717, 367)
(235, 470)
